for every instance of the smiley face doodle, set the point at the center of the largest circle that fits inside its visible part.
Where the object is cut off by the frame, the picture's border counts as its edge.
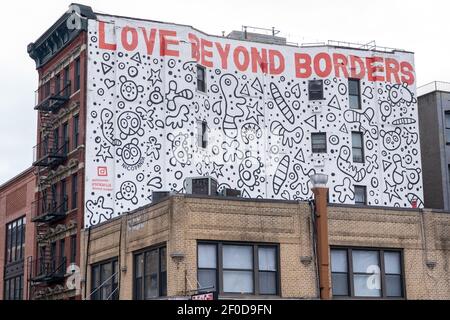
(128, 192)
(129, 89)
(391, 139)
(131, 155)
(129, 124)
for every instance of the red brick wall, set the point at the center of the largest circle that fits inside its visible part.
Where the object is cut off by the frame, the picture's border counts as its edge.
(16, 197)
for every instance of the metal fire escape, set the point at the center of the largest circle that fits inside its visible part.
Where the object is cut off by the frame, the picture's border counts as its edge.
(49, 207)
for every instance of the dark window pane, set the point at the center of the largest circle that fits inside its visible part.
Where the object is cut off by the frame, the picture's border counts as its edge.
(356, 140)
(353, 87)
(207, 256)
(354, 102)
(447, 131)
(447, 120)
(364, 261)
(393, 286)
(318, 142)
(360, 195)
(315, 89)
(339, 284)
(207, 279)
(237, 257)
(151, 274)
(367, 285)
(267, 283)
(392, 262)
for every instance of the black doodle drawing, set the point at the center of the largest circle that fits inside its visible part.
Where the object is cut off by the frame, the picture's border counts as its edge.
(364, 120)
(249, 172)
(400, 172)
(391, 139)
(97, 212)
(399, 93)
(155, 182)
(296, 177)
(391, 191)
(128, 191)
(104, 152)
(177, 120)
(233, 104)
(155, 97)
(244, 90)
(289, 137)
(153, 148)
(146, 115)
(345, 190)
(217, 169)
(180, 149)
(107, 126)
(403, 121)
(231, 151)
(281, 174)
(300, 156)
(372, 163)
(129, 124)
(334, 103)
(281, 103)
(109, 83)
(345, 166)
(250, 132)
(385, 109)
(343, 128)
(106, 68)
(172, 95)
(129, 89)
(256, 84)
(296, 91)
(410, 137)
(368, 92)
(131, 155)
(312, 121)
(415, 200)
(254, 113)
(136, 57)
(155, 76)
(386, 165)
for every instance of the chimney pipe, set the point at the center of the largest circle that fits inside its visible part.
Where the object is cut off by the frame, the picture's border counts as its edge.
(323, 253)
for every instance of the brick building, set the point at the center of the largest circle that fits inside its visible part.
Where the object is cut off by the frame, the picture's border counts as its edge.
(249, 248)
(16, 235)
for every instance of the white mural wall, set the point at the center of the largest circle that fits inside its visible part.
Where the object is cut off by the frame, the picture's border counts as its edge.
(145, 114)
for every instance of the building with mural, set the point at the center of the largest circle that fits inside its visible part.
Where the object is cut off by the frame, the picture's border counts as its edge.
(132, 109)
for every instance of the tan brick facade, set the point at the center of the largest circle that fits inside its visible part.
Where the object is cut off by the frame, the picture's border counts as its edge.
(181, 221)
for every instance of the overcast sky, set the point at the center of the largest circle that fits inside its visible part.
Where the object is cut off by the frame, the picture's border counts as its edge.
(419, 26)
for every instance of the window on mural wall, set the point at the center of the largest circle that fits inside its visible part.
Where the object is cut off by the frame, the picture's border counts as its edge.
(357, 147)
(354, 97)
(201, 78)
(447, 126)
(366, 273)
(202, 135)
(315, 89)
(241, 268)
(319, 142)
(360, 195)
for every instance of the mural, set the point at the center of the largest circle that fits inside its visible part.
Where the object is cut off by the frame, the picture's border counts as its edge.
(145, 114)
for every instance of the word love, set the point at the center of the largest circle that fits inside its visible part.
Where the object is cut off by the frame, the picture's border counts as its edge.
(222, 53)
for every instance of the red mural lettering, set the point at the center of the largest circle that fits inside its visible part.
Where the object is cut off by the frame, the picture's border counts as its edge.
(127, 43)
(326, 63)
(165, 40)
(373, 68)
(206, 53)
(357, 69)
(340, 62)
(102, 41)
(195, 46)
(408, 73)
(259, 60)
(149, 39)
(273, 67)
(302, 65)
(392, 70)
(223, 54)
(241, 51)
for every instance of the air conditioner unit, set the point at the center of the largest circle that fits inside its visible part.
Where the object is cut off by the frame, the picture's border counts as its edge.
(157, 196)
(228, 192)
(201, 185)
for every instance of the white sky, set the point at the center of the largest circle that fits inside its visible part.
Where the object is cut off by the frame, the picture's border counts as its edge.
(419, 26)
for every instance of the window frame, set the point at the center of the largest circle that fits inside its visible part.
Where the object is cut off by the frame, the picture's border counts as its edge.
(315, 91)
(16, 293)
(158, 248)
(15, 241)
(73, 248)
(362, 147)
(312, 143)
(74, 191)
(219, 266)
(67, 82)
(365, 194)
(203, 89)
(75, 131)
(358, 95)
(99, 265)
(77, 74)
(447, 129)
(350, 281)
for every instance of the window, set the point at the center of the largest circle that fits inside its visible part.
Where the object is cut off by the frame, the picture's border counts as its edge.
(13, 288)
(57, 84)
(53, 255)
(366, 273)
(64, 195)
(202, 138)
(319, 142)
(55, 140)
(241, 268)
(15, 240)
(65, 137)
(76, 131)
(62, 253)
(315, 89)
(201, 78)
(104, 280)
(77, 74)
(150, 274)
(357, 147)
(67, 90)
(354, 97)
(73, 248)
(47, 89)
(360, 195)
(74, 191)
(447, 126)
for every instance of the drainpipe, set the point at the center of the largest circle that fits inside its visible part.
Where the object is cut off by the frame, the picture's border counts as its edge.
(320, 191)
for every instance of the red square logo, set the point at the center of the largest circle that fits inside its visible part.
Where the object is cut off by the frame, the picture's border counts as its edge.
(102, 171)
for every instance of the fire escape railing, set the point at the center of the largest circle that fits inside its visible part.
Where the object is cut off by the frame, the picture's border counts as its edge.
(50, 152)
(54, 98)
(46, 269)
(49, 208)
